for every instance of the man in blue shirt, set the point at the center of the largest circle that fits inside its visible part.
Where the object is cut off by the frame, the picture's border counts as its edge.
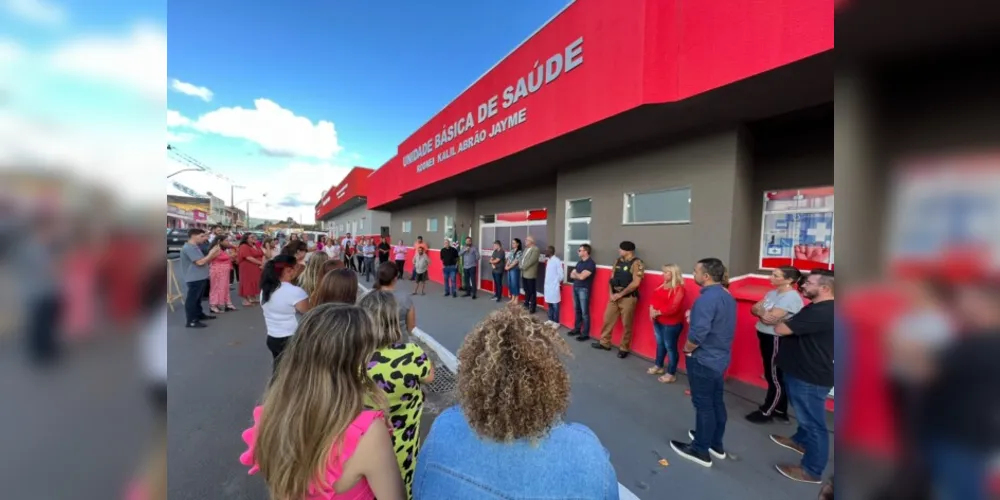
(708, 350)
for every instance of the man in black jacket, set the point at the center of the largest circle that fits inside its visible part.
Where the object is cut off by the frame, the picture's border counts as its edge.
(449, 259)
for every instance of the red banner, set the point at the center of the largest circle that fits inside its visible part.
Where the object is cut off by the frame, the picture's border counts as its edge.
(599, 58)
(355, 184)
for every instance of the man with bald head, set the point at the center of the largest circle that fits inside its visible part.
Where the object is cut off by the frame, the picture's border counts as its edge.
(529, 274)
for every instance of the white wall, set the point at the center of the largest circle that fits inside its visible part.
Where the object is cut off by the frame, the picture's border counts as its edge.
(359, 221)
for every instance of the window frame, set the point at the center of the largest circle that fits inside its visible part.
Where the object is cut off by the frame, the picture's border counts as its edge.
(449, 226)
(763, 220)
(625, 210)
(407, 227)
(571, 260)
(437, 224)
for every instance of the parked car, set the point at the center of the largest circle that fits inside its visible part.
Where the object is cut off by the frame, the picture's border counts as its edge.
(176, 238)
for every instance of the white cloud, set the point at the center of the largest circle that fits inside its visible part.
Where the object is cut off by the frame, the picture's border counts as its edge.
(123, 159)
(11, 52)
(175, 119)
(278, 131)
(174, 137)
(37, 11)
(298, 180)
(191, 89)
(137, 61)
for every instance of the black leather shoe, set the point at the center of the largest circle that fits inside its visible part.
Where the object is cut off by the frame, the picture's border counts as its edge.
(196, 324)
(622, 354)
(208, 316)
(574, 333)
(598, 345)
(582, 337)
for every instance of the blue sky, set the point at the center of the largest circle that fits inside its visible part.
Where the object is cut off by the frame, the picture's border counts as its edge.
(375, 70)
(83, 90)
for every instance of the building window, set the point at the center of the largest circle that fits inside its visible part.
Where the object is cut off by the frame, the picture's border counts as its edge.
(432, 225)
(407, 226)
(797, 229)
(449, 226)
(577, 228)
(361, 225)
(667, 206)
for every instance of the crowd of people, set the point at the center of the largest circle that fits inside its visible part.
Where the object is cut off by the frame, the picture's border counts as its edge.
(513, 387)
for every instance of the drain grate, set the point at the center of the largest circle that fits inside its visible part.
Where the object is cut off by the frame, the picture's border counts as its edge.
(444, 381)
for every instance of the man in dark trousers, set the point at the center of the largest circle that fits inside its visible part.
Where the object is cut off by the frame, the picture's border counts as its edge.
(625, 280)
(194, 272)
(449, 260)
(470, 268)
(806, 360)
(708, 349)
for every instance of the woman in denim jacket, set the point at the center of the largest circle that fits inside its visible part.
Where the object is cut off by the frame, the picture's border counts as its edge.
(513, 392)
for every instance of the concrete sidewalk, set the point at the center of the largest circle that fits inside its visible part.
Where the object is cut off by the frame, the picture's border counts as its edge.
(636, 417)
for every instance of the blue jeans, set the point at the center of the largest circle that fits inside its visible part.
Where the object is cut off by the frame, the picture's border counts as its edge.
(498, 284)
(960, 473)
(581, 305)
(666, 344)
(809, 402)
(451, 280)
(553, 311)
(469, 279)
(710, 410)
(514, 282)
(192, 301)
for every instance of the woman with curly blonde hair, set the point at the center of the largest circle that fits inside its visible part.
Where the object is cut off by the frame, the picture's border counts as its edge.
(513, 392)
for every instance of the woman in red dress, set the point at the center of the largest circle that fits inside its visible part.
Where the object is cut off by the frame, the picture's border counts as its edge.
(251, 261)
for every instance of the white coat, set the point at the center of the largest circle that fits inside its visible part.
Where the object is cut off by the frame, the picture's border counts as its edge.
(555, 273)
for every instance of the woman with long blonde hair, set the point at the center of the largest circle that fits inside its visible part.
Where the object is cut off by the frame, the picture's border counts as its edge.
(313, 273)
(399, 368)
(666, 311)
(312, 437)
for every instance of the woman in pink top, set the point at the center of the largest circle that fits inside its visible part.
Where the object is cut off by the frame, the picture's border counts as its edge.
(220, 299)
(399, 255)
(312, 438)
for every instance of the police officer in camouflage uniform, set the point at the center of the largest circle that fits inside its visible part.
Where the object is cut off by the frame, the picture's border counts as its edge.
(625, 280)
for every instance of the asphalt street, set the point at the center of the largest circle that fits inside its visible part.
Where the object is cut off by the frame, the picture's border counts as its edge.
(218, 374)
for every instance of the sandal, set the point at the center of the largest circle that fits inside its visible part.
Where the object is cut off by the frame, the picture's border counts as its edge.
(215, 310)
(247, 303)
(655, 371)
(230, 307)
(667, 379)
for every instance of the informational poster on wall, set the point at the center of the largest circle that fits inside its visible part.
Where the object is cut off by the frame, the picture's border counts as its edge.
(797, 229)
(944, 213)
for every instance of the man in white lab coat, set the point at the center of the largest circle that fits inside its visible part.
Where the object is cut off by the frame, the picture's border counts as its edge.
(554, 276)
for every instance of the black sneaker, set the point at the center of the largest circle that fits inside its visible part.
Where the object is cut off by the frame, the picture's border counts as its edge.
(196, 324)
(781, 418)
(598, 345)
(720, 454)
(758, 417)
(686, 451)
